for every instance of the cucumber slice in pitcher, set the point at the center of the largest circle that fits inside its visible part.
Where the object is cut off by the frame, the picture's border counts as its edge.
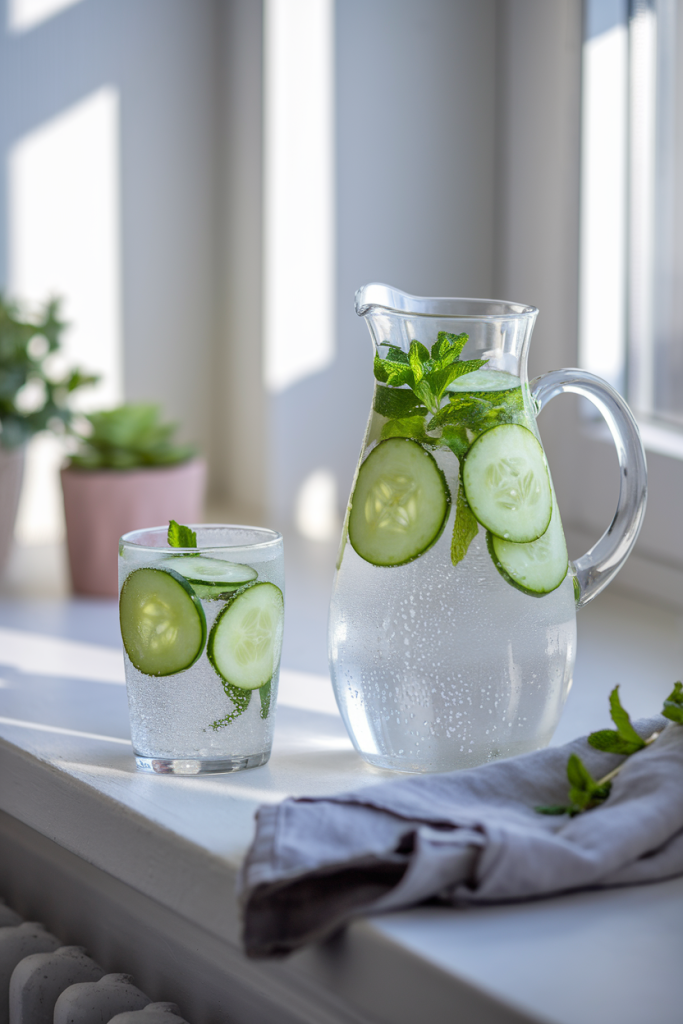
(536, 568)
(163, 626)
(211, 574)
(246, 638)
(507, 485)
(484, 380)
(399, 505)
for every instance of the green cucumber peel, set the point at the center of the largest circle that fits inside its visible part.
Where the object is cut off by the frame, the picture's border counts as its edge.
(587, 793)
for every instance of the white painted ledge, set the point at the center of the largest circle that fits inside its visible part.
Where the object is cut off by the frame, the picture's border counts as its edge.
(67, 771)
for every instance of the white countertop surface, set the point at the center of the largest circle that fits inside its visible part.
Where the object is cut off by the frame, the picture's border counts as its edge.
(68, 772)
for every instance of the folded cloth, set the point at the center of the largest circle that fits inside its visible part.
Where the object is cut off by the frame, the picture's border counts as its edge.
(461, 837)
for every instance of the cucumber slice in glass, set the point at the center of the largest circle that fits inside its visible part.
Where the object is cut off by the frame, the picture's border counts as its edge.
(507, 485)
(400, 503)
(536, 568)
(485, 380)
(245, 641)
(211, 576)
(163, 626)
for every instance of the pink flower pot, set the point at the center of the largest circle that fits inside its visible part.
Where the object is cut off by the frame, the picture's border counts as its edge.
(102, 504)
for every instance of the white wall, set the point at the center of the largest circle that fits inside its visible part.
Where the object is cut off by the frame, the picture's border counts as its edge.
(158, 58)
(415, 159)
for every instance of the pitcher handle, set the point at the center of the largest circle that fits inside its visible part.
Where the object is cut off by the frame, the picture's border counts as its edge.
(594, 570)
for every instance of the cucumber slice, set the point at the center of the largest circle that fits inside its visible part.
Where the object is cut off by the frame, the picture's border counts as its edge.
(485, 380)
(163, 626)
(536, 568)
(507, 485)
(245, 641)
(400, 503)
(207, 574)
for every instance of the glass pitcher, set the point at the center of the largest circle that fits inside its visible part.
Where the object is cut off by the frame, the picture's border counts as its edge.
(452, 629)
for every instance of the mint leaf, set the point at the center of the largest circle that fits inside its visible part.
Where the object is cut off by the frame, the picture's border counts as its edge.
(395, 354)
(456, 439)
(440, 379)
(393, 373)
(554, 809)
(426, 395)
(265, 693)
(465, 529)
(612, 743)
(464, 410)
(240, 699)
(621, 718)
(394, 403)
(409, 426)
(448, 347)
(584, 792)
(419, 360)
(180, 536)
(467, 366)
(673, 705)
(625, 740)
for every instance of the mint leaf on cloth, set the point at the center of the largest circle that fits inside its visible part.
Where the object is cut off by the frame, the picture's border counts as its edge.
(673, 705)
(180, 536)
(462, 838)
(622, 740)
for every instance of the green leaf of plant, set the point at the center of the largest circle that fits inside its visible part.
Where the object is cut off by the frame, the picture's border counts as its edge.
(440, 379)
(180, 536)
(409, 426)
(465, 529)
(393, 373)
(448, 346)
(265, 693)
(673, 705)
(418, 356)
(396, 402)
(621, 719)
(240, 698)
(553, 809)
(611, 742)
(579, 776)
(466, 366)
(455, 438)
(426, 395)
(395, 354)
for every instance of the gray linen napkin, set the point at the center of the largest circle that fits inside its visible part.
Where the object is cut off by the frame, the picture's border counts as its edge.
(462, 838)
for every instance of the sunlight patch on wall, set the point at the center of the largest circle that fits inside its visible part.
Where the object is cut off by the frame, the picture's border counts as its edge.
(23, 15)
(64, 241)
(298, 190)
(316, 515)
(604, 205)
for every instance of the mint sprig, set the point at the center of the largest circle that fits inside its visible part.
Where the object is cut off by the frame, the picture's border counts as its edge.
(411, 386)
(585, 792)
(180, 536)
(673, 705)
(622, 740)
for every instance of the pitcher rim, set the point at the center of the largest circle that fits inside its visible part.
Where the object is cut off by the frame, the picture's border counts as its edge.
(377, 295)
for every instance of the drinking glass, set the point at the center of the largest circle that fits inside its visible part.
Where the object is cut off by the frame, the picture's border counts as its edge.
(202, 636)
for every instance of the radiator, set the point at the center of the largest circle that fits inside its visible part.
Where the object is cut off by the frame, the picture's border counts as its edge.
(45, 982)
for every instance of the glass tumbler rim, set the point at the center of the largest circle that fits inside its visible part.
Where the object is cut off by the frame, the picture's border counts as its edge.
(272, 538)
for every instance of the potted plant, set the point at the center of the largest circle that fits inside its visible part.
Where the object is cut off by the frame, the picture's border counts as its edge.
(126, 474)
(34, 396)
